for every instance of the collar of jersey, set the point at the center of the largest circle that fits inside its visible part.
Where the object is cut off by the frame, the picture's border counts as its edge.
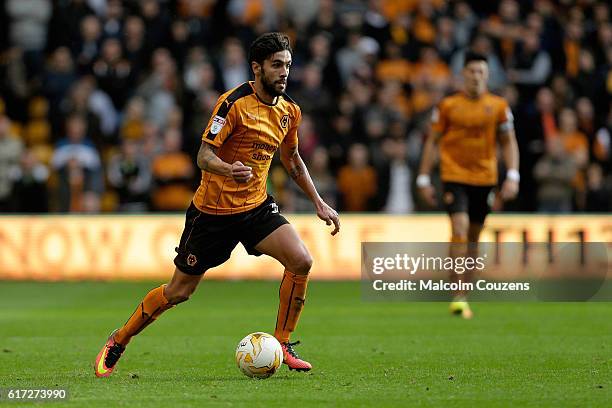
(261, 100)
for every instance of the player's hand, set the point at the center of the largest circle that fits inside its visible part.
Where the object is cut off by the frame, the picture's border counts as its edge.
(509, 190)
(241, 173)
(428, 194)
(329, 215)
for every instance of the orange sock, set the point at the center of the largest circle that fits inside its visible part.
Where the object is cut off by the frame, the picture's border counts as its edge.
(458, 239)
(292, 294)
(153, 305)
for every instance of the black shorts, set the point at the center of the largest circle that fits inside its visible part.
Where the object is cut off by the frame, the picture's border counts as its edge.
(476, 201)
(208, 240)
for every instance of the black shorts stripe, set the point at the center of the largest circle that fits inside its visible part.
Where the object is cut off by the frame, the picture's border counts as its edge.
(191, 230)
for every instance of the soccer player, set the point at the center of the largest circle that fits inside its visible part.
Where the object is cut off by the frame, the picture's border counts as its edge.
(468, 126)
(249, 123)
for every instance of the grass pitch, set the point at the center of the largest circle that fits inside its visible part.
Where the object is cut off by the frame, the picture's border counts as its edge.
(364, 354)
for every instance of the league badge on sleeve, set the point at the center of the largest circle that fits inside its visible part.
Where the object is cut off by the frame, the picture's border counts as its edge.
(217, 124)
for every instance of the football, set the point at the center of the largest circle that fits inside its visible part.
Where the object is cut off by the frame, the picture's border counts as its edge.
(259, 355)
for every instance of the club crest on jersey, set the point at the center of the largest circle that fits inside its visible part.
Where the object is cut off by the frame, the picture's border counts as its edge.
(217, 124)
(284, 121)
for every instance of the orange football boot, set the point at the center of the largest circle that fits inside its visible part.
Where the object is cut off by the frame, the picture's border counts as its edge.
(108, 357)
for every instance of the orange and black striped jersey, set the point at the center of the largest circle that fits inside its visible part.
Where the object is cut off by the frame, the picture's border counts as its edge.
(245, 129)
(468, 141)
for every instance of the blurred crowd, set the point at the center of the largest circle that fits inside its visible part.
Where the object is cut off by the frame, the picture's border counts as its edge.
(103, 102)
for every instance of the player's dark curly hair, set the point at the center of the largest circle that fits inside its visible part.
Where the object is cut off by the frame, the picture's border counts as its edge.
(267, 44)
(473, 56)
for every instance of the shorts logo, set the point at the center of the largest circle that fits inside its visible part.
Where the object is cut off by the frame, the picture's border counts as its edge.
(274, 208)
(448, 198)
(217, 124)
(191, 260)
(284, 121)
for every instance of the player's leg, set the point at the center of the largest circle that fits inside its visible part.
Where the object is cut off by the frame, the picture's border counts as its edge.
(480, 202)
(460, 225)
(474, 231)
(156, 302)
(459, 248)
(464, 244)
(285, 245)
(479, 206)
(455, 199)
(473, 238)
(204, 244)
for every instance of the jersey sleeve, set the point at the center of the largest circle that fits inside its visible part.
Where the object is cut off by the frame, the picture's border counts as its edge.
(291, 139)
(438, 118)
(505, 121)
(222, 122)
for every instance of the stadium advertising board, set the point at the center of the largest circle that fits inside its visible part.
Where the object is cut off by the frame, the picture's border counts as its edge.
(142, 247)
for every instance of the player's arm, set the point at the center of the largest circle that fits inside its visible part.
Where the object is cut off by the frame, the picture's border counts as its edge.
(510, 155)
(293, 163)
(209, 161)
(219, 128)
(423, 180)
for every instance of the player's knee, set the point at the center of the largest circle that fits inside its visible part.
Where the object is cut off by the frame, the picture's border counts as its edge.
(301, 264)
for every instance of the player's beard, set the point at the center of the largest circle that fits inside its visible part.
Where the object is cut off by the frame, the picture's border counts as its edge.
(269, 87)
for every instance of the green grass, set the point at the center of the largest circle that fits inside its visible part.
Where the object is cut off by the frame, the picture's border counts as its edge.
(364, 354)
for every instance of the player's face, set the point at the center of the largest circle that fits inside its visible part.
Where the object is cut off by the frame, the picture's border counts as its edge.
(476, 75)
(274, 73)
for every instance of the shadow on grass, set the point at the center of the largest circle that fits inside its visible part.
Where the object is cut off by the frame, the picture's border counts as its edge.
(186, 378)
(237, 379)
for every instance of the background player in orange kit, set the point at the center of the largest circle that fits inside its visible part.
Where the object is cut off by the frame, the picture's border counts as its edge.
(468, 127)
(249, 123)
